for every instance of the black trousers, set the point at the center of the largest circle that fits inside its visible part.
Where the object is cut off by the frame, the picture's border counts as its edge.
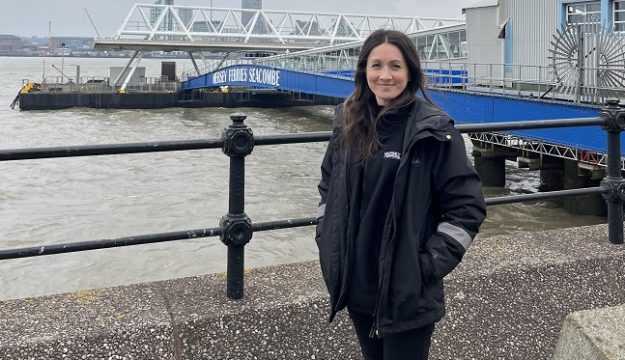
(407, 345)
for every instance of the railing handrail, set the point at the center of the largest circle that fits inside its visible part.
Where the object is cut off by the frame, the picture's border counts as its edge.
(292, 138)
(237, 141)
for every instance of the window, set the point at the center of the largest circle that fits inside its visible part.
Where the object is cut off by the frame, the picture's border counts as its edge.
(454, 44)
(464, 52)
(422, 47)
(437, 48)
(585, 13)
(619, 15)
(429, 43)
(451, 45)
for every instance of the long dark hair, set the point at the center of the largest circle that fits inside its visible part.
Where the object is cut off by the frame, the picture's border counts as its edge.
(358, 133)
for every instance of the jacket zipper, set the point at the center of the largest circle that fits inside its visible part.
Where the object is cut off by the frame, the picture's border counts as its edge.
(374, 331)
(374, 327)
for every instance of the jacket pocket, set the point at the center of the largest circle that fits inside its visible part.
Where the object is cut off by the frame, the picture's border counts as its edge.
(318, 230)
(425, 264)
(325, 254)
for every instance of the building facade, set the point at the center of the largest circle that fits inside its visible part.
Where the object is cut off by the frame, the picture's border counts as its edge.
(186, 16)
(576, 46)
(65, 45)
(10, 43)
(249, 4)
(167, 23)
(261, 27)
(522, 30)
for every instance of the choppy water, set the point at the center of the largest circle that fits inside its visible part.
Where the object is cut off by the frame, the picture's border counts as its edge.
(75, 199)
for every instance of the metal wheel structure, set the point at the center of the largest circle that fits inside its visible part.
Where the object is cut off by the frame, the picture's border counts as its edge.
(588, 62)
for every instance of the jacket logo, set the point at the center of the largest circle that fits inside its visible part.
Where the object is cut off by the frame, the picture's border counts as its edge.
(416, 162)
(392, 155)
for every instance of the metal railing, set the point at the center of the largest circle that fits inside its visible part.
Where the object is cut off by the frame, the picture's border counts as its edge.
(534, 81)
(59, 84)
(237, 141)
(595, 85)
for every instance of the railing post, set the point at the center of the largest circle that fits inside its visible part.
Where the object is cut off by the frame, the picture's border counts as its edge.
(614, 184)
(238, 142)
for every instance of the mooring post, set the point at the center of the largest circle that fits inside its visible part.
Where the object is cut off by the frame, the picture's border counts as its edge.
(238, 142)
(614, 184)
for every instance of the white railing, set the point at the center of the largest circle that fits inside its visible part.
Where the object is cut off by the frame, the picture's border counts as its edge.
(198, 24)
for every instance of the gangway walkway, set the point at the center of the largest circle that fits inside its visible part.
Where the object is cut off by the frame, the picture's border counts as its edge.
(168, 27)
(587, 144)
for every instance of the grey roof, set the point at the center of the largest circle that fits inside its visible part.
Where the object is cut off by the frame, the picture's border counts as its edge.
(482, 4)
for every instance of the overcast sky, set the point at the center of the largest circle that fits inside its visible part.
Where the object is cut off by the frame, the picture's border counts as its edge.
(68, 17)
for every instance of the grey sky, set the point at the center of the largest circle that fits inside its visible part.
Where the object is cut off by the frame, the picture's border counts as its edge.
(68, 18)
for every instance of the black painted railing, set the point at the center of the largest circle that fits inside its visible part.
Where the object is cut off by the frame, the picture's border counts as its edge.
(237, 141)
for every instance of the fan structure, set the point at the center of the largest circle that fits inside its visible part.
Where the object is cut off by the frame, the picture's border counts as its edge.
(588, 62)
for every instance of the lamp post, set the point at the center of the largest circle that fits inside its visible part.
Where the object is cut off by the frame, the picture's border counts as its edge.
(62, 61)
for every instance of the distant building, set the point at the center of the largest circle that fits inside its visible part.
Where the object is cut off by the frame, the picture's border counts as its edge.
(200, 26)
(10, 43)
(249, 4)
(261, 26)
(204, 26)
(34, 46)
(35, 40)
(70, 45)
(186, 15)
(167, 23)
(310, 28)
(343, 28)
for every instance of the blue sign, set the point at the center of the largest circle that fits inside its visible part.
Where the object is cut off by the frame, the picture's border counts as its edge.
(253, 75)
(269, 77)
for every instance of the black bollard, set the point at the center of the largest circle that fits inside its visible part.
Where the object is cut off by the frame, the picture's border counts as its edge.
(238, 142)
(614, 184)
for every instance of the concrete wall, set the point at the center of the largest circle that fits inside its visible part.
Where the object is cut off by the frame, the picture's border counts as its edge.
(507, 300)
(592, 335)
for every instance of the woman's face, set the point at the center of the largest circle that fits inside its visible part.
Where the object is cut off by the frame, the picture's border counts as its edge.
(387, 73)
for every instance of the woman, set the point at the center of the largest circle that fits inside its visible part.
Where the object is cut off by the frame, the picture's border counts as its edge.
(400, 203)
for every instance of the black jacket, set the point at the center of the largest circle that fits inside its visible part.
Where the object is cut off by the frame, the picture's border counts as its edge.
(435, 213)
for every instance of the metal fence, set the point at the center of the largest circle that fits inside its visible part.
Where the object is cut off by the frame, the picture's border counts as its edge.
(237, 141)
(98, 85)
(585, 84)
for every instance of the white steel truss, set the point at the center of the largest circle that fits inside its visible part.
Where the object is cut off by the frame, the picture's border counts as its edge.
(345, 55)
(588, 157)
(257, 26)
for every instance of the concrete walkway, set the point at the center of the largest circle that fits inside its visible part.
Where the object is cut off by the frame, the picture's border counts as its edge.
(507, 300)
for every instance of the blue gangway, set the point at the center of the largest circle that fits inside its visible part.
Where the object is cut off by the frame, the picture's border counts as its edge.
(461, 106)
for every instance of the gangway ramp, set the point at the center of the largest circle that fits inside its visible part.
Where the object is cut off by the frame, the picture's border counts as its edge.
(257, 76)
(585, 144)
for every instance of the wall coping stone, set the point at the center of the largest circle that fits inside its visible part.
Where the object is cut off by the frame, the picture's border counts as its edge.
(593, 335)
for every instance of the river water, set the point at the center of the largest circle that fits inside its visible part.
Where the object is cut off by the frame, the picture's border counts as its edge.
(52, 201)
